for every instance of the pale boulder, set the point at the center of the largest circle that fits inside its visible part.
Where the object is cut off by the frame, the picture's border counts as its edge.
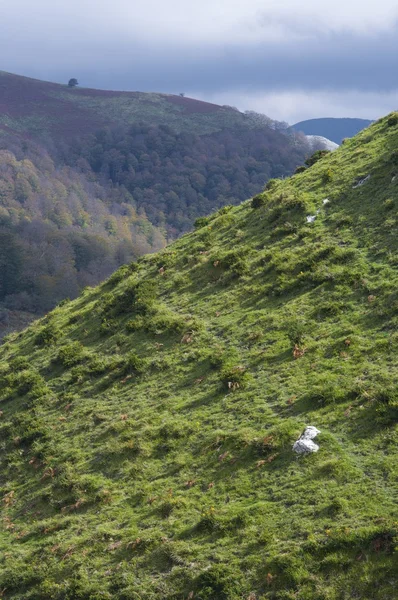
(305, 445)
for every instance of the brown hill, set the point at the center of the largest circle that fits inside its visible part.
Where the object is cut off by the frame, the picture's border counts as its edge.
(33, 106)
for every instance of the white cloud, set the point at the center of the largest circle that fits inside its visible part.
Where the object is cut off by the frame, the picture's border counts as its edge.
(310, 104)
(185, 21)
(359, 16)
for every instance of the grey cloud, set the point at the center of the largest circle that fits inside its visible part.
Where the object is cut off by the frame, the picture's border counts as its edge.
(305, 57)
(335, 62)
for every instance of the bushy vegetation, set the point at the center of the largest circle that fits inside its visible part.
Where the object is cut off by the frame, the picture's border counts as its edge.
(146, 428)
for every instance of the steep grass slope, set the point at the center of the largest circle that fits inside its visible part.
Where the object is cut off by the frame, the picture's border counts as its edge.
(147, 426)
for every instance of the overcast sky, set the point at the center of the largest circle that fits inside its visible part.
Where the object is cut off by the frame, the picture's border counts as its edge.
(290, 59)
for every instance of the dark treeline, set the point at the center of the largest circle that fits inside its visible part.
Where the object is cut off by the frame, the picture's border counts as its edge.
(177, 177)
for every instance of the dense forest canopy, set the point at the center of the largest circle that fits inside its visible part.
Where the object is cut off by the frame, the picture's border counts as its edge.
(59, 230)
(177, 177)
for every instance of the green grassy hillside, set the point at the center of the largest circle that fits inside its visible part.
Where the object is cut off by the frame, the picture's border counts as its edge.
(147, 427)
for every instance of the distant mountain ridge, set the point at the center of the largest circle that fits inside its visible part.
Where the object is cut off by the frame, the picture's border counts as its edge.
(45, 108)
(332, 128)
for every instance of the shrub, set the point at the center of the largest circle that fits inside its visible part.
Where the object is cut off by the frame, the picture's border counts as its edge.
(134, 364)
(48, 335)
(300, 169)
(271, 184)
(137, 297)
(208, 522)
(71, 354)
(296, 331)
(170, 430)
(388, 204)
(314, 158)
(166, 508)
(258, 201)
(219, 583)
(225, 209)
(166, 259)
(78, 373)
(342, 220)
(384, 394)
(164, 321)
(180, 280)
(145, 296)
(329, 308)
(330, 391)
(108, 325)
(286, 228)
(394, 158)
(337, 506)
(327, 176)
(201, 222)
(19, 363)
(118, 276)
(122, 303)
(235, 377)
(234, 261)
(136, 324)
(63, 302)
(263, 446)
(97, 365)
(296, 202)
(344, 255)
(392, 120)
(27, 382)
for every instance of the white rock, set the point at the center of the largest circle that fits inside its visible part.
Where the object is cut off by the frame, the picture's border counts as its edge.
(311, 218)
(305, 445)
(325, 201)
(310, 432)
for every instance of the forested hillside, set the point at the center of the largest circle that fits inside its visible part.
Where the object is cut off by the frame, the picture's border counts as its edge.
(147, 427)
(60, 230)
(91, 179)
(177, 177)
(179, 158)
